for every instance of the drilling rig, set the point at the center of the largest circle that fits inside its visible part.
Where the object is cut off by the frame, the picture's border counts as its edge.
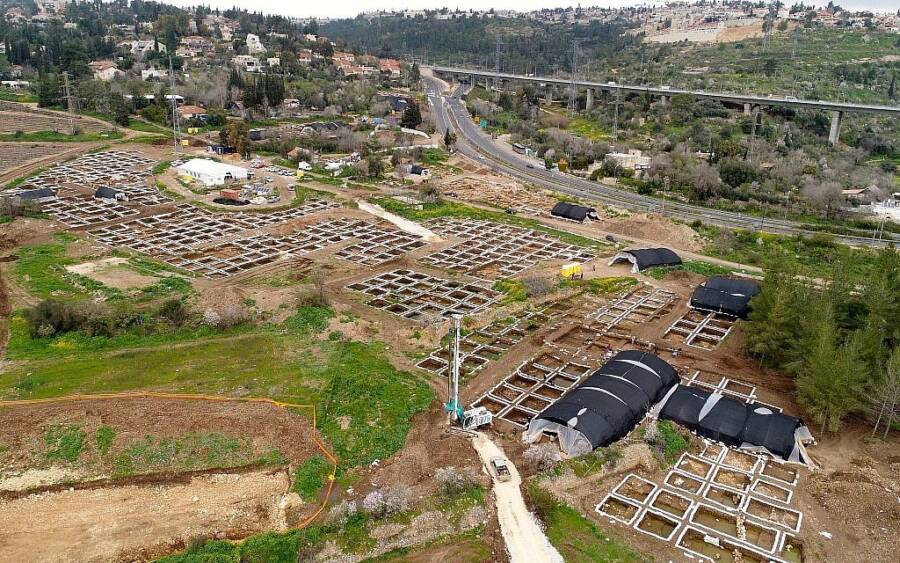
(466, 419)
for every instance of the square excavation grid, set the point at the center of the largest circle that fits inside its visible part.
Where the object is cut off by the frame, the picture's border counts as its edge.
(125, 171)
(538, 382)
(486, 344)
(418, 296)
(640, 305)
(491, 250)
(726, 386)
(714, 504)
(700, 330)
(211, 244)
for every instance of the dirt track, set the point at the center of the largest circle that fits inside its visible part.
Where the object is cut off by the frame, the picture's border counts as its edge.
(136, 523)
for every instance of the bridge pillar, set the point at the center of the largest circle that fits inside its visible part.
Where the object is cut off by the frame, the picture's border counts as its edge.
(748, 109)
(835, 133)
(663, 100)
(589, 103)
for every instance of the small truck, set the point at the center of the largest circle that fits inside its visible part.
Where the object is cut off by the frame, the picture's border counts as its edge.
(501, 470)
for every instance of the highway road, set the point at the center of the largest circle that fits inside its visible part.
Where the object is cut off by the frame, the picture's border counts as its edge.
(472, 142)
(731, 97)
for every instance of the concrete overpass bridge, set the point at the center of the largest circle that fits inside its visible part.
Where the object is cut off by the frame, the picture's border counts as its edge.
(750, 102)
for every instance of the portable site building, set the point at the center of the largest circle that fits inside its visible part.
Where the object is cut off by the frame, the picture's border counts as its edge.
(643, 258)
(211, 173)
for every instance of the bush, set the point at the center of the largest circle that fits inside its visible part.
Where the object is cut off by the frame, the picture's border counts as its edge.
(50, 317)
(541, 457)
(226, 316)
(537, 286)
(341, 513)
(430, 193)
(313, 294)
(175, 311)
(391, 502)
(453, 481)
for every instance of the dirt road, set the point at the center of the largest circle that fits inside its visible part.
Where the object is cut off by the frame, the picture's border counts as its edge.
(525, 541)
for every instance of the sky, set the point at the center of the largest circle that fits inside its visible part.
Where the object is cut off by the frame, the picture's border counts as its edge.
(350, 8)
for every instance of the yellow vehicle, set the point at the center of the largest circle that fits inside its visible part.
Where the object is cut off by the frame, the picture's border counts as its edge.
(572, 271)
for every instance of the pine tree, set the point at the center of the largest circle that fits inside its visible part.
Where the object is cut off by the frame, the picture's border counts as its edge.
(890, 91)
(412, 117)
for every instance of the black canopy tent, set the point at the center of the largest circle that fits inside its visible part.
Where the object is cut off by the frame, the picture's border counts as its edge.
(725, 295)
(573, 212)
(607, 405)
(751, 427)
(643, 258)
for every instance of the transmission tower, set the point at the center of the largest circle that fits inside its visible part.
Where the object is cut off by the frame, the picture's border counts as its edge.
(70, 102)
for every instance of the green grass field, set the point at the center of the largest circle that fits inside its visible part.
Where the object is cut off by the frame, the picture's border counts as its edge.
(57, 137)
(364, 403)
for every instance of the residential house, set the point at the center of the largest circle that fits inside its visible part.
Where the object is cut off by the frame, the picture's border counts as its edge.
(304, 56)
(103, 70)
(273, 61)
(192, 112)
(389, 66)
(246, 62)
(254, 45)
(151, 73)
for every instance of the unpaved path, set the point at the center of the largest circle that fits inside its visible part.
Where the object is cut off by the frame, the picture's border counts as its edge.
(525, 541)
(405, 225)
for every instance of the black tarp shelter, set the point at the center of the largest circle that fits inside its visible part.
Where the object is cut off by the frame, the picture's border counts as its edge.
(607, 405)
(751, 427)
(728, 296)
(643, 258)
(574, 212)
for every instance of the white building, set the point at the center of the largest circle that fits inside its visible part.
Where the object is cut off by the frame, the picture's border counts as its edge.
(211, 173)
(246, 62)
(149, 73)
(254, 45)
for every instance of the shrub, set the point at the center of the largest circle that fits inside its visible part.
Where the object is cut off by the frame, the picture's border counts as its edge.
(430, 193)
(226, 316)
(390, 502)
(50, 317)
(537, 286)
(174, 311)
(453, 481)
(341, 513)
(541, 457)
(313, 294)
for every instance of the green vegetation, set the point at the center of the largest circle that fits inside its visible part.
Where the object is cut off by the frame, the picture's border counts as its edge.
(190, 452)
(161, 167)
(104, 439)
(576, 538)
(365, 404)
(601, 286)
(454, 209)
(587, 128)
(693, 266)
(7, 96)
(146, 127)
(432, 157)
(64, 442)
(57, 137)
(41, 269)
(310, 477)
(589, 463)
(513, 291)
(666, 441)
(837, 335)
(469, 547)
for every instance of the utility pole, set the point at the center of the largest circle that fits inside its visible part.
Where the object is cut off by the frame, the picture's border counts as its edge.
(70, 102)
(175, 131)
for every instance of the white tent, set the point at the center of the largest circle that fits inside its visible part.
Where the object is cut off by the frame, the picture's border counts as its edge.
(210, 172)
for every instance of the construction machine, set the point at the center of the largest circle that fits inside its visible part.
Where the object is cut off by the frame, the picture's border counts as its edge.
(466, 419)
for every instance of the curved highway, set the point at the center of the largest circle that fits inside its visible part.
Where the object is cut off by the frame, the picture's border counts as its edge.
(450, 111)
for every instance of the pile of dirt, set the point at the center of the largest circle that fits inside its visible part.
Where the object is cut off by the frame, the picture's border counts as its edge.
(655, 228)
(24, 231)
